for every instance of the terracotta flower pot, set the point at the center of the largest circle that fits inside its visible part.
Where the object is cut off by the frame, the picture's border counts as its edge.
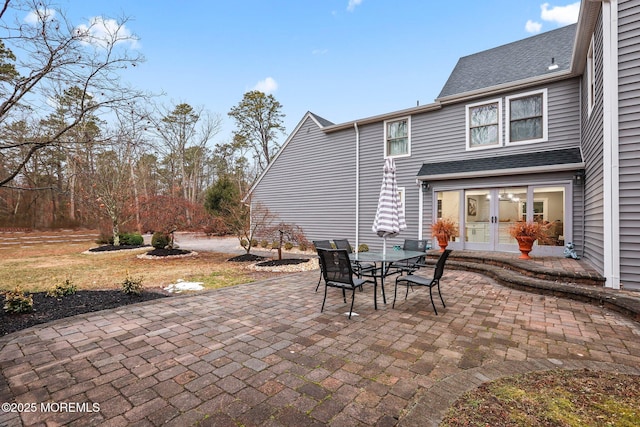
(443, 241)
(525, 244)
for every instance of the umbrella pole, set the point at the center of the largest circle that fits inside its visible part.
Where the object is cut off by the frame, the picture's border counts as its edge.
(384, 247)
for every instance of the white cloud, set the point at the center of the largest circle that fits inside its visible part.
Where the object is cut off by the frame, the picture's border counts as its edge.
(562, 15)
(101, 32)
(319, 51)
(36, 16)
(532, 26)
(268, 85)
(352, 5)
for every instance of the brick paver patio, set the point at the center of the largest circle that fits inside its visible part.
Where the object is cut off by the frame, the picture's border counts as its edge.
(263, 354)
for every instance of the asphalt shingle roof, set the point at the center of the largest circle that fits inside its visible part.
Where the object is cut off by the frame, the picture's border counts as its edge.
(323, 122)
(520, 60)
(514, 161)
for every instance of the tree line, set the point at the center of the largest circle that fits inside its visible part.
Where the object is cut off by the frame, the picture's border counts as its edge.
(81, 147)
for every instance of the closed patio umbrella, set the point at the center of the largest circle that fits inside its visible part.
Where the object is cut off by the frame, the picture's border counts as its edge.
(389, 219)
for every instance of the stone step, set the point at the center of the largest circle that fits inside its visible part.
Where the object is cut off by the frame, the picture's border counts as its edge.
(585, 286)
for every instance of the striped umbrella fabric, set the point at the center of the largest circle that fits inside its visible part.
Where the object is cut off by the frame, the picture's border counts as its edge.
(389, 219)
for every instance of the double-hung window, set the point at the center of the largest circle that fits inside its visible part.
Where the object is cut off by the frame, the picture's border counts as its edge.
(397, 137)
(526, 117)
(484, 129)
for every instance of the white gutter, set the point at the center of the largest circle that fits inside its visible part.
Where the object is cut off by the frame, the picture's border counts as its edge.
(355, 126)
(611, 166)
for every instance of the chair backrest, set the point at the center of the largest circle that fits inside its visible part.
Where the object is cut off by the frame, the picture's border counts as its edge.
(322, 244)
(415, 245)
(343, 244)
(336, 266)
(440, 264)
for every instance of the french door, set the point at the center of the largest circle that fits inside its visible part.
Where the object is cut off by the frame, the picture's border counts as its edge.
(484, 215)
(488, 215)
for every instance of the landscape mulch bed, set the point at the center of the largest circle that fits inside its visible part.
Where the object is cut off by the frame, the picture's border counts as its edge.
(48, 308)
(286, 261)
(246, 258)
(167, 252)
(111, 248)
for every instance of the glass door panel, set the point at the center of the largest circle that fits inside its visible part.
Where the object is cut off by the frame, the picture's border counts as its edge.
(448, 206)
(477, 216)
(509, 211)
(548, 207)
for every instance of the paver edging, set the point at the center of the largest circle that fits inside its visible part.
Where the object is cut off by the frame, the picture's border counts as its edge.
(626, 305)
(423, 413)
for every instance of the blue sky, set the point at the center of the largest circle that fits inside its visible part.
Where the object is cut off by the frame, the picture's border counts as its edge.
(341, 59)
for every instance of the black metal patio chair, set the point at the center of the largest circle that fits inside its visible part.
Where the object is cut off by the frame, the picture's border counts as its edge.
(321, 244)
(412, 264)
(360, 268)
(337, 273)
(411, 280)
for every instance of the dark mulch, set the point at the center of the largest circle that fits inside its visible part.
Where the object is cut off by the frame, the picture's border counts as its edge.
(109, 248)
(285, 261)
(246, 258)
(168, 252)
(48, 308)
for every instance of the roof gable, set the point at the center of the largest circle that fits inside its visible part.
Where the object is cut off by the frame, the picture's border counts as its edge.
(520, 60)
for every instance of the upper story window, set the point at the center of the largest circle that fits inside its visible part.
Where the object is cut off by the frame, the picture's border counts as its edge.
(526, 117)
(484, 128)
(397, 137)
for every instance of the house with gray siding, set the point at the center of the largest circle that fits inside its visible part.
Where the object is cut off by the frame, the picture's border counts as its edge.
(544, 129)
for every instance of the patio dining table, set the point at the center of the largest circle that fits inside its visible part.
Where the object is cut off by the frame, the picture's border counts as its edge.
(382, 262)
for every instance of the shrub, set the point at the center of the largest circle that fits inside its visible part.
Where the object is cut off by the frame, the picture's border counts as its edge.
(288, 246)
(264, 243)
(244, 243)
(62, 289)
(363, 247)
(17, 302)
(133, 239)
(254, 243)
(160, 240)
(303, 246)
(132, 286)
(275, 244)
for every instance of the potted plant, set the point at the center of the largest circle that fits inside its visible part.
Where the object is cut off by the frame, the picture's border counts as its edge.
(527, 232)
(443, 229)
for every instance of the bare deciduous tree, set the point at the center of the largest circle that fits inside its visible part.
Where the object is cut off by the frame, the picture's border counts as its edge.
(41, 55)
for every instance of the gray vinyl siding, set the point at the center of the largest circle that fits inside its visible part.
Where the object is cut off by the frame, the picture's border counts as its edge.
(629, 140)
(312, 183)
(592, 151)
(442, 135)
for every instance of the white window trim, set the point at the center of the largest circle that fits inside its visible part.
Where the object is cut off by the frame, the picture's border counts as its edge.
(401, 193)
(545, 118)
(590, 77)
(468, 127)
(386, 154)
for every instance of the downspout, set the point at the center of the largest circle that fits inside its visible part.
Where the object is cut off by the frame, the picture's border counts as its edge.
(611, 179)
(355, 127)
(420, 207)
(584, 184)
